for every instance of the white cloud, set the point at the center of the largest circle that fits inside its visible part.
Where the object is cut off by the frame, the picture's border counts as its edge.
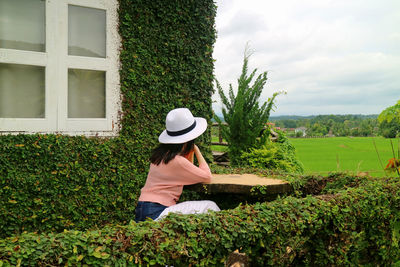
(335, 57)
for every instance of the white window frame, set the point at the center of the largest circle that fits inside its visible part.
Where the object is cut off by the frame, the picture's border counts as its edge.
(57, 62)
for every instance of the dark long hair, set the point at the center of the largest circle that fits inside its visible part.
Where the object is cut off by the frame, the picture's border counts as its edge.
(166, 152)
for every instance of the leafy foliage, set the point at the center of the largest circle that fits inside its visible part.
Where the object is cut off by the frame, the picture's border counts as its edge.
(391, 113)
(389, 120)
(338, 125)
(279, 155)
(356, 223)
(393, 165)
(166, 63)
(53, 182)
(389, 129)
(242, 112)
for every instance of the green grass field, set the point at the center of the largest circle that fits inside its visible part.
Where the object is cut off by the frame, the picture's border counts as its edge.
(214, 138)
(352, 154)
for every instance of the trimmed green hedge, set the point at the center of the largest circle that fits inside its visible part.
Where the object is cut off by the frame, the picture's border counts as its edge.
(356, 226)
(54, 182)
(65, 183)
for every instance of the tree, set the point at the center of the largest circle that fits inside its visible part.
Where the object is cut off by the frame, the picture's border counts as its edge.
(389, 129)
(244, 115)
(317, 129)
(290, 124)
(389, 121)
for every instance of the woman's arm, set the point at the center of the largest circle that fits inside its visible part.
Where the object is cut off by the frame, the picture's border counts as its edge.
(199, 156)
(188, 173)
(190, 156)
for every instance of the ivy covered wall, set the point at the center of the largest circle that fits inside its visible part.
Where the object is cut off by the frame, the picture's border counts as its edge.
(166, 63)
(55, 182)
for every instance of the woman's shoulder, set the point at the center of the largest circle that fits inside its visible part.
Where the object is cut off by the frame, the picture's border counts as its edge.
(176, 161)
(181, 161)
(179, 158)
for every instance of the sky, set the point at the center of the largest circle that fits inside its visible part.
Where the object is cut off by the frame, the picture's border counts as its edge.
(331, 57)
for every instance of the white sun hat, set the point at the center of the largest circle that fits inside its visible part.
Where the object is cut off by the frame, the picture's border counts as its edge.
(182, 127)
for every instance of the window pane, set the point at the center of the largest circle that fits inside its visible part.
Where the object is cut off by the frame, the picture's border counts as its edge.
(86, 94)
(22, 24)
(86, 31)
(22, 91)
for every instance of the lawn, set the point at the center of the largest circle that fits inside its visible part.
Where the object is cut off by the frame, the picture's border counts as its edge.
(353, 154)
(214, 138)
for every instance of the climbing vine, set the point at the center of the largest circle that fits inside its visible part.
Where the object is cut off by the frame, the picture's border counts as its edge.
(56, 182)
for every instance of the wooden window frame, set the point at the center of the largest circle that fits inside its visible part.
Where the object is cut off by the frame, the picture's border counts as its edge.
(57, 62)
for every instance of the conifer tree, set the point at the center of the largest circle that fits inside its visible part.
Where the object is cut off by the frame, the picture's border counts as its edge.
(244, 115)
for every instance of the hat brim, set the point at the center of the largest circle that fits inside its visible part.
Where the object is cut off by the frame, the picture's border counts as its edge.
(201, 126)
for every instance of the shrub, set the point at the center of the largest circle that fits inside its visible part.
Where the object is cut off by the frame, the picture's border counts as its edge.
(359, 225)
(299, 134)
(55, 182)
(279, 155)
(244, 115)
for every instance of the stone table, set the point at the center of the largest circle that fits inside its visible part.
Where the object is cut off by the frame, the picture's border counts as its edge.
(241, 184)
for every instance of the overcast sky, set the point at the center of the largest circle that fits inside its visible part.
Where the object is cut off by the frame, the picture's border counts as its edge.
(331, 57)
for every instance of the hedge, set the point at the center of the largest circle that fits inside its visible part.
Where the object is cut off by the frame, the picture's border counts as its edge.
(356, 226)
(65, 183)
(56, 182)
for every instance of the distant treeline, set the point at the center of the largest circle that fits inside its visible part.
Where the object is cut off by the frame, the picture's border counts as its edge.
(337, 125)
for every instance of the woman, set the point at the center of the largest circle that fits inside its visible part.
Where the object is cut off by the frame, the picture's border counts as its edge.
(172, 167)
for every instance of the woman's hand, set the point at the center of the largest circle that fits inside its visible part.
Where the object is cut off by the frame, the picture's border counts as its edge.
(190, 156)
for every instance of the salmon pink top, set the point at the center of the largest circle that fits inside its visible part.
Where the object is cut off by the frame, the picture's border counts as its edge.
(165, 182)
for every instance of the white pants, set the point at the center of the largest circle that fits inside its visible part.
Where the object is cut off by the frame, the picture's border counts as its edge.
(190, 207)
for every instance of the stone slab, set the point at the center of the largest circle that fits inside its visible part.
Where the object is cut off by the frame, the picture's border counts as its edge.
(240, 184)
